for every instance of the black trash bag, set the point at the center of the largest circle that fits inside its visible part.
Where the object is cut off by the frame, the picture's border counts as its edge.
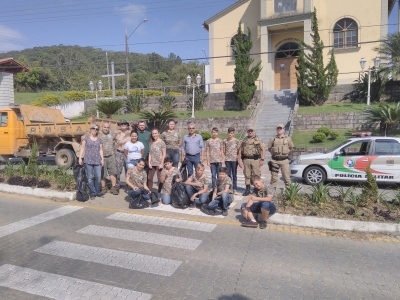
(211, 211)
(81, 183)
(139, 202)
(184, 171)
(154, 198)
(179, 198)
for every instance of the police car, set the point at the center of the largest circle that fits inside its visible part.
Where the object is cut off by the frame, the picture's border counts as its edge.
(349, 160)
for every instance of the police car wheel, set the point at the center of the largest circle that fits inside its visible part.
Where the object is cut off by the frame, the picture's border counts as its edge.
(314, 175)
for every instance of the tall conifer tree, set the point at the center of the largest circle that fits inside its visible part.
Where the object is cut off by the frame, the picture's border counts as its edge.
(314, 80)
(245, 75)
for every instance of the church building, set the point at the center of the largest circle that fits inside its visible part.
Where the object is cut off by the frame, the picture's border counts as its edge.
(353, 28)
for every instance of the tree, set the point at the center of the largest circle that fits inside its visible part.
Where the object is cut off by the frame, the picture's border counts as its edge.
(378, 83)
(158, 118)
(109, 107)
(245, 75)
(36, 79)
(389, 52)
(314, 80)
(388, 117)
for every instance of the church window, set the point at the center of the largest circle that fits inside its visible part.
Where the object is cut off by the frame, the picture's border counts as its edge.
(285, 6)
(345, 34)
(287, 50)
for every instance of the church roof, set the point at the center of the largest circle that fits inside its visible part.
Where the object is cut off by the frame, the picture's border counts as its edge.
(9, 65)
(224, 12)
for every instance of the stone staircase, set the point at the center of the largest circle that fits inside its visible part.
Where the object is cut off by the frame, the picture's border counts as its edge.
(275, 109)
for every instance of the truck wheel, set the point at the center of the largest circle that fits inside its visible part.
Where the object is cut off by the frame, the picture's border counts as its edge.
(65, 158)
(314, 175)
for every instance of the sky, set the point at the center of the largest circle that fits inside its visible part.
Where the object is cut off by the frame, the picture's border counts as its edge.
(173, 26)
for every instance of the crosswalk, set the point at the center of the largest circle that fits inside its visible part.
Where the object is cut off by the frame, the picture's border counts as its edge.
(56, 286)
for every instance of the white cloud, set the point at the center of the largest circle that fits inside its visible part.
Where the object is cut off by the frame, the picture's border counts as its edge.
(179, 27)
(132, 14)
(11, 39)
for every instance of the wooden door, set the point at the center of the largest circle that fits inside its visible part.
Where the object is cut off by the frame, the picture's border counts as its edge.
(285, 73)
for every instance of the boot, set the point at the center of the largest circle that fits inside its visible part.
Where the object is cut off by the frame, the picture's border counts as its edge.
(247, 191)
(114, 191)
(104, 190)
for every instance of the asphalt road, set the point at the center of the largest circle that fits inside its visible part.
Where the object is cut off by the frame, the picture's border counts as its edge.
(50, 250)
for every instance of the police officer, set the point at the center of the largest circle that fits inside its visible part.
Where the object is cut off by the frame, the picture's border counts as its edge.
(280, 147)
(251, 157)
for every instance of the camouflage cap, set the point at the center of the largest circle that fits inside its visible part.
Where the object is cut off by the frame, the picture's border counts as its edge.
(123, 121)
(250, 128)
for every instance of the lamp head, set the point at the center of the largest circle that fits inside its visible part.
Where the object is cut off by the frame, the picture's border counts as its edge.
(100, 85)
(188, 80)
(145, 20)
(198, 80)
(362, 63)
(91, 85)
(377, 62)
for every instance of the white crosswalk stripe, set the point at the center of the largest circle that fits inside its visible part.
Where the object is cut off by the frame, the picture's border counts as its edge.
(56, 286)
(169, 222)
(29, 222)
(122, 259)
(140, 236)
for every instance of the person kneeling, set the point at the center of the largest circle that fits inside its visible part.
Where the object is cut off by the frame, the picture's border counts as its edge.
(261, 202)
(197, 186)
(167, 175)
(222, 195)
(136, 179)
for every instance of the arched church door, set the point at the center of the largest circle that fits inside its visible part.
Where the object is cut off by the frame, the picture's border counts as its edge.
(285, 63)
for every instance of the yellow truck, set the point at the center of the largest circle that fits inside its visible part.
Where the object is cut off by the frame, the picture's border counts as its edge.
(21, 125)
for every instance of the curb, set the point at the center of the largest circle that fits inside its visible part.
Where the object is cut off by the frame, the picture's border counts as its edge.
(37, 192)
(333, 224)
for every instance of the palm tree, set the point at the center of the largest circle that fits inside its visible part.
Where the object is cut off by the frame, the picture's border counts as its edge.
(159, 118)
(109, 107)
(387, 116)
(389, 52)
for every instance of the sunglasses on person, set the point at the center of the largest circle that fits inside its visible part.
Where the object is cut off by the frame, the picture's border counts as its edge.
(279, 128)
(95, 129)
(191, 128)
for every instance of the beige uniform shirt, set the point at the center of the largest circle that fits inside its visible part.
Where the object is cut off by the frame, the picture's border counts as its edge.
(280, 146)
(121, 138)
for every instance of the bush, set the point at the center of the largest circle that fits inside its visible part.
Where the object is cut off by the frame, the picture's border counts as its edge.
(147, 93)
(47, 100)
(175, 94)
(334, 135)
(120, 93)
(325, 130)
(135, 103)
(74, 95)
(88, 112)
(167, 102)
(206, 135)
(200, 98)
(319, 137)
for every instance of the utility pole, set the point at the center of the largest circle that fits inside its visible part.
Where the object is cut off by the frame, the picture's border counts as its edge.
(108, 72)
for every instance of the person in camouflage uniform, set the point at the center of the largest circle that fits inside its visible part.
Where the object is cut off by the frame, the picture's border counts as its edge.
(173, 142)
(231, 151)
(156, 158)
(196, 186)
(136, 179)
(215, 154)
(167, 175)
(110, 165)
(121, 136)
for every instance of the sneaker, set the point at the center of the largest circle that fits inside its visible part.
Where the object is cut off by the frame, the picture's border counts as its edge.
(250, 223)
(92, 197)
(235, 192)
(192, 206)
(225, 213)
(263, 224)
(114, 191)
(100, 195)
(204, 209)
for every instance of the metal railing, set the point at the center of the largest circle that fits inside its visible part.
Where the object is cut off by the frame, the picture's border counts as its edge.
(291, 114)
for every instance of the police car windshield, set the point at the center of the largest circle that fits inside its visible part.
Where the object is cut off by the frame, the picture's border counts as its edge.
(336, 147)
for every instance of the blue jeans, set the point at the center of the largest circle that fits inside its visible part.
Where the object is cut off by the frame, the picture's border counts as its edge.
(94, 177)
(192, 161)
(225, 199)
(174, 154)
(190, 190)
(214, 172)
(256, 207)
(131, 163)
(232, 172)
(133, 194)
(166, 199)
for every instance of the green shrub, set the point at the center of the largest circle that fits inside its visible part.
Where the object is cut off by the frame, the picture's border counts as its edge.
(334, 135)
(206, 135)
(167, 102)
(135, 103)
(175, 94)
(120, 93)
(325, 130)
(47, 100)
(74, 95)
(147, 93)
(319, 137)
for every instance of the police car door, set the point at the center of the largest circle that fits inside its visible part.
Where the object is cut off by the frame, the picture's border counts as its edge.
(385, 160)
(351, 161)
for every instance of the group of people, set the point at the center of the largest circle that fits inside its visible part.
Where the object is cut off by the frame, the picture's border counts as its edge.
(144, 154)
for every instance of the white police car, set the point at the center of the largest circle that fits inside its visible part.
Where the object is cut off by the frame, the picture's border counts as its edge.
(349, 160)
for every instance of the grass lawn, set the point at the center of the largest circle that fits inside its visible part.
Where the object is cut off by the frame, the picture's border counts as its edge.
(303, 138)
(186, 115)
(333, 108)
(26, 98)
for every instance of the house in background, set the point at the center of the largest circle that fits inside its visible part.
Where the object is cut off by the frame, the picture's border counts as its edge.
(8, 67)
(353, 28)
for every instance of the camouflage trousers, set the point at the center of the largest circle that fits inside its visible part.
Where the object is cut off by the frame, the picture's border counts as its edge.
(284, 166)
(120, 159)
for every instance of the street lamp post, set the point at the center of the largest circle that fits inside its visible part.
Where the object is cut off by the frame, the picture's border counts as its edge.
(99, 87)
(128, 92)
(198, 82)
(377, 62)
